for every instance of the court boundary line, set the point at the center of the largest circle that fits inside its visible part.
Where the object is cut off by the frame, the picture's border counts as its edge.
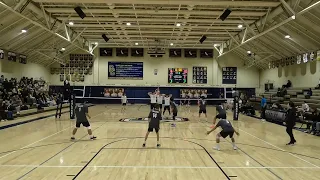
(279, 148)
(103, 147)
(161, 167)
(248, 155)
(63, 148)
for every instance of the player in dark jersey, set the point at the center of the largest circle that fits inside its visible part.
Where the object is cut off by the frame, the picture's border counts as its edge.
(227, 130)
(154, 123)
(221, 113)
(174, 109)
(82, 115)
(202, 106)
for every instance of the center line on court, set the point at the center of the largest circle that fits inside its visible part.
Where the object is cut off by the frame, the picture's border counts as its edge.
(280, 149)
(159, 167)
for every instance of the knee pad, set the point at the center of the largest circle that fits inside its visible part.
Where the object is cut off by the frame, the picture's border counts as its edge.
(89, 127)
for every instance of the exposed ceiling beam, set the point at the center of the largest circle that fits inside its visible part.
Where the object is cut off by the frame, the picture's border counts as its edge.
(38, 24)
(101, 11)
(176, 2)
(152, 20)
(273, 28)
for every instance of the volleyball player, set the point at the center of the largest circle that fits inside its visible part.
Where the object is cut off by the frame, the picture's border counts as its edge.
(227, 130)
(154, 123)
(160, 101)
(167, 104)
(222, 114)
(174, 109)
(153, 99)
(82, 115)
(202, 106)
(124, 102)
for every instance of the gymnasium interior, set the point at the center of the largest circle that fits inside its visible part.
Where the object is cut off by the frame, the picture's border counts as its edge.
(259, 59)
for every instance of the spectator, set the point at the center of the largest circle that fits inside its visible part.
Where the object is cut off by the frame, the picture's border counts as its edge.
(318, 86)
(279, 94)
(263, 107)
(305, 107)
(290, 122)
(309, 93)
(288, 85)
(315, 117)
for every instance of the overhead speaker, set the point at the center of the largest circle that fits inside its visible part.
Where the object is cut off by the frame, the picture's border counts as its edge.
(105, 37)
(80, 12)
(225, 14)
(203, 38)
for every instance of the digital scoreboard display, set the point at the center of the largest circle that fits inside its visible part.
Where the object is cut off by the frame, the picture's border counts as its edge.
(178, 75)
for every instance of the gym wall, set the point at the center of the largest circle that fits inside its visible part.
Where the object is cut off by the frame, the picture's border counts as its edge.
(248, 78)
(17, 70)
(301, 75)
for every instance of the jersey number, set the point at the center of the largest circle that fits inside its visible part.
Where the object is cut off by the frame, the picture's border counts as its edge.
(154, 115)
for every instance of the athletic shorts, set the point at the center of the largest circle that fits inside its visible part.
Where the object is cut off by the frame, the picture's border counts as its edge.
(150, 129)
(221, 116)
(85, 124)
(167, 108)
(152, 105)
(160, 106)
(224, 134)
(124, 104)
(202, 111)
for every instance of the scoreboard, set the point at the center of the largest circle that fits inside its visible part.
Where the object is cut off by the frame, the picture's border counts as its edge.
(178, 75)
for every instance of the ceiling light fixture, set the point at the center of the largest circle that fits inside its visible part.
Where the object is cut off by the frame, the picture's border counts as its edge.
(71, 23)
(136, 44)
(293, 17)
(96, 43)
(215, 45)
(249, 52)
(63, 49)
(171, 44)
(240, 26)
(23, 31)
(178, 25)
(287, 37)
(128, 24)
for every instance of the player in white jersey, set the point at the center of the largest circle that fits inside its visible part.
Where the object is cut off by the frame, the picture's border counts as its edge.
(160, 101)
(153, 99)
(124, 101)
(167, 103)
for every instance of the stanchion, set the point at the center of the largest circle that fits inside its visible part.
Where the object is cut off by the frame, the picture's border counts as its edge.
(235, 95)
(72, 103)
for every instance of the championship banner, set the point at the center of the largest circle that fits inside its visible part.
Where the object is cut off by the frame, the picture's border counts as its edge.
(1, 54)
(229, 75)
(145, 119)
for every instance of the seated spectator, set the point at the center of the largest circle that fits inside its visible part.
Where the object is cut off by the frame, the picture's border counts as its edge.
(305, 107)
(308, 93)
(288, 85)
(318, 86)
(279, 94)
(277, 106)
(315, 126)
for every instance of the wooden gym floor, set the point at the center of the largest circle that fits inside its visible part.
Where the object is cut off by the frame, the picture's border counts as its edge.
(42, 150)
